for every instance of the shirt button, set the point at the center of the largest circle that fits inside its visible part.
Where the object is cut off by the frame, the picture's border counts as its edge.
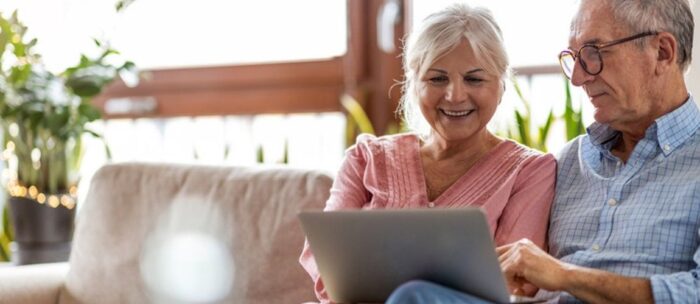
(612, 202)
(595, 247)
(431, 205)
(667, 148)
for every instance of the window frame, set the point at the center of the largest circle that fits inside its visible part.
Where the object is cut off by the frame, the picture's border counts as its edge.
(365, 72)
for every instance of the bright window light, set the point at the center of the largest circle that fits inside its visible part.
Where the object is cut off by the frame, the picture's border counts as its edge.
(186, 33)
(534, 31)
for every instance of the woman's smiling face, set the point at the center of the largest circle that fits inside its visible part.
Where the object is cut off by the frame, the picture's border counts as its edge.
(457, 96)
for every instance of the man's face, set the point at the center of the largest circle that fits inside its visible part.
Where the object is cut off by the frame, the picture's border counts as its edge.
(620, 93)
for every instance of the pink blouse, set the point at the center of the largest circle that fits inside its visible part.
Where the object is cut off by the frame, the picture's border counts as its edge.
(513, 184)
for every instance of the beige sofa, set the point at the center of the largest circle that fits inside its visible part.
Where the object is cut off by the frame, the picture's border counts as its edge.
(121, 210)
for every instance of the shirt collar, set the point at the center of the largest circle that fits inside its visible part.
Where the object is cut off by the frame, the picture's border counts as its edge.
(671, 130)
(602, 136)
(674, 128)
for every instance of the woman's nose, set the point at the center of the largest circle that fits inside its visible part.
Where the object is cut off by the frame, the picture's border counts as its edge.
(456, 91)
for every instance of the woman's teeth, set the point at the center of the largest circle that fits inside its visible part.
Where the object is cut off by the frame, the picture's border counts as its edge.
(456, 113)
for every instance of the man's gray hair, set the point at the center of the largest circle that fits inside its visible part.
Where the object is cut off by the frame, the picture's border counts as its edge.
(440, 33)
(673, 16)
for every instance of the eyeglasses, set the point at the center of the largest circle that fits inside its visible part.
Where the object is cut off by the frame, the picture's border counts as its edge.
(589, 55)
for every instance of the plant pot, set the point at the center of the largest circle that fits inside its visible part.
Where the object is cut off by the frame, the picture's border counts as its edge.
(43, 234)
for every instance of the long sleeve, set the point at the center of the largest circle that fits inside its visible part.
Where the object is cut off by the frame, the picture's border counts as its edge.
(348, 192)
(679, 287)
(526, 214)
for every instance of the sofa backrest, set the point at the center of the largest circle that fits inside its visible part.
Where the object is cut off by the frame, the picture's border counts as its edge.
(259, 205)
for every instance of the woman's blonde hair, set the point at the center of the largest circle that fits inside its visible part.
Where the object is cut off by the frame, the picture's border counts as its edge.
(440, 33)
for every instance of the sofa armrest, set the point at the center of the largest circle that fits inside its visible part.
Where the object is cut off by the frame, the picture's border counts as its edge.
(40, 283)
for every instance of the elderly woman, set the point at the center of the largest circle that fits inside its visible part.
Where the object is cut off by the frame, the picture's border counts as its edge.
(455, 69)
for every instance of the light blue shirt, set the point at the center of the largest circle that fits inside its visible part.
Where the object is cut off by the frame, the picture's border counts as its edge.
(639, 219)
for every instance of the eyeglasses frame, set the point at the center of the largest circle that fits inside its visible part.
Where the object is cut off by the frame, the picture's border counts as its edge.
(598, 47)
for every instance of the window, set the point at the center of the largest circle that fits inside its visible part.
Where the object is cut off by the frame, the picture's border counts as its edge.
(159, 34)
(534, 31)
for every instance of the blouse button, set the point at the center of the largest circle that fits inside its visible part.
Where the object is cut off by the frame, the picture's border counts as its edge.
(431, 205)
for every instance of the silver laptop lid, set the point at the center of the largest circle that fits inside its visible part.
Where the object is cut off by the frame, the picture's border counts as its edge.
(363, 256)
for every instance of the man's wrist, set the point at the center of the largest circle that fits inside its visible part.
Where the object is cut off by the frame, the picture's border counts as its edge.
(569, 277)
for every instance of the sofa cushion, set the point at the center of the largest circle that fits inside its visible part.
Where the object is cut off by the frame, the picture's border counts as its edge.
(36, 284)
(258, 207)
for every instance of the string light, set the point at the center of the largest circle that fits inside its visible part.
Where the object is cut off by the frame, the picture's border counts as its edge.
(54, 200)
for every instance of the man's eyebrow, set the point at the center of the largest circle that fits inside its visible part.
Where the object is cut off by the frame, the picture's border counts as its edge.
(593, 41)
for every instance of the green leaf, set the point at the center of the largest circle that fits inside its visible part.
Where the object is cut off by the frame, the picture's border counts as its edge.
(56, 121)
(19, 74)
(108, 52)
(122, 4)
(31, 43)
(5, 34)
(544, 132)
(6, 235)
(89, 111)
(522, 129)
(350, 132)
(85, 86)
(573, 119)
(108, 151)
(93, 133)
(357, 113)
(285, 153)
(260, 155)
(129, 74)
(49, 110)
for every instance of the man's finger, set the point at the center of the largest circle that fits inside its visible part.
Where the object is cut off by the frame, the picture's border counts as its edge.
(505, 251)
(501, 249)
(509, 268)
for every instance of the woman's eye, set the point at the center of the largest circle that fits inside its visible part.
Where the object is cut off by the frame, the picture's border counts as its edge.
(438, 79)
(473, 80)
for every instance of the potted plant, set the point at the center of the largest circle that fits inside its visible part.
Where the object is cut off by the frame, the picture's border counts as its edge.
(43, 117)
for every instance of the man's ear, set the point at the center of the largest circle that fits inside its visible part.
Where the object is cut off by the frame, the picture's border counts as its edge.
(667, 55)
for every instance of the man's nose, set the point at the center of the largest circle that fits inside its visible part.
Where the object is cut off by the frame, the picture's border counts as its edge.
(579, 76)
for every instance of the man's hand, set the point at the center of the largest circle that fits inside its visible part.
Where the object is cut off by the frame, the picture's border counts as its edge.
(523, 263)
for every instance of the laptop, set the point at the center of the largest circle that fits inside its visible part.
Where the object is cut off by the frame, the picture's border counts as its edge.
(364, 255)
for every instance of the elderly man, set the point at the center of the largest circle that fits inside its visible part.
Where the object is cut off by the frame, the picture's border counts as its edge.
(625, 224)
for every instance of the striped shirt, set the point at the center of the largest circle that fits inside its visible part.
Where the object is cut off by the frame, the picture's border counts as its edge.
(640, 218)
